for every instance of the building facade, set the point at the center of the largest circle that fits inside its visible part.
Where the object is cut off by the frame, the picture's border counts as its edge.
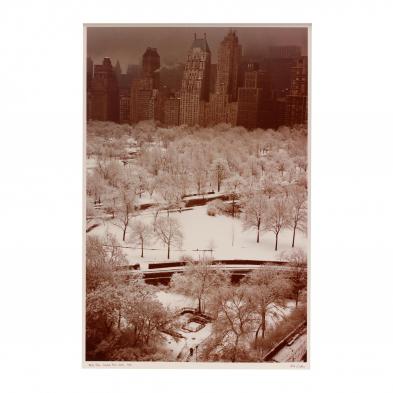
(144, 97)
(104, 93)
(195, 83)
(296, 101)
(227, 79)
(151, 66)
(172, 111)
(124, 106)
(267, 94)
(251, 97)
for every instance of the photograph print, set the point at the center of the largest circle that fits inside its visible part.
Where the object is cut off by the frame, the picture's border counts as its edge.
(196, 195)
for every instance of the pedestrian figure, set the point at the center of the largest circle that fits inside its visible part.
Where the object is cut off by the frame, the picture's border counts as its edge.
(191, 351)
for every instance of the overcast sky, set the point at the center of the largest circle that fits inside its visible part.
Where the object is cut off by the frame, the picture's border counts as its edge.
(127, 44)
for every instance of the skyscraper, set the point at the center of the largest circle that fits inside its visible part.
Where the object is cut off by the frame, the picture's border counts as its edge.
(144, 98)
(89, 79)
(117, 70)
(229, 56)
(296, 101)
(151, 65)
(279, 64)
(194, 91)
(250, 97)
(89, 72)
(171, 111)
(104, 93)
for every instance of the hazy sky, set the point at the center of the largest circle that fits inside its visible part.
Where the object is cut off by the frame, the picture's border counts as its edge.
(127, 44)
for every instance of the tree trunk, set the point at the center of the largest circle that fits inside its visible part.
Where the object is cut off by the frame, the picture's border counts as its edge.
(263, 325)
(275, 249)
(199, 305)
(256, 335)
(148, 334)
(235, 350)
(135, 334)
(118, 320)
(124, 233)
(293, 237)
(169, 246)
(259, 225)
(142, 249)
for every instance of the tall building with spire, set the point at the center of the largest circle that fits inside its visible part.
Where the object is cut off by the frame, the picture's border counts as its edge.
(117, 70)
(194, 91)
(227, 80)
(151, 66)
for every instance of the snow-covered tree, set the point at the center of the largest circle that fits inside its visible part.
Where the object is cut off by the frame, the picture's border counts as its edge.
(199, 171)
(277, 217)
(198, 280)
(297, 259)
(124, 210)
(169, 190)
(140, 182)
(254, 212)
(267, 292)
(233, 324)
(269, 187)
(233, 186)
(151, 185)
(169, 231)
(95, 186)
(140, 234)
(297, 210)
(219, 170)
(102, 258)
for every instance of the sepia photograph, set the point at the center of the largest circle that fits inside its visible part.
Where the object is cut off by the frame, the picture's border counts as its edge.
(196, 195)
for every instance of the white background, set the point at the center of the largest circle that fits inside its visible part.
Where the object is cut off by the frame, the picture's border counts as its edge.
(41, 54)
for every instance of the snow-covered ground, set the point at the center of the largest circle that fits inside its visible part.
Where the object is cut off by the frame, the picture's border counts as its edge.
(91, 163)
(190, 340)
(201, 231)
(176, 302)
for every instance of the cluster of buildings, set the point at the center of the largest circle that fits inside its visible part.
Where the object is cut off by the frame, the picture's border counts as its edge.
(265, 94)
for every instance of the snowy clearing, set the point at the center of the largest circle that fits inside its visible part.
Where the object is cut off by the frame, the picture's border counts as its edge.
(201, 232)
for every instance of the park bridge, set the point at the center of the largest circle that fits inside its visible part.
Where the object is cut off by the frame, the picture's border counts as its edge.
(161, 272)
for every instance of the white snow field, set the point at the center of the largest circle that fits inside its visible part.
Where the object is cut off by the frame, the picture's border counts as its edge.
(175, 301)
(201, 232)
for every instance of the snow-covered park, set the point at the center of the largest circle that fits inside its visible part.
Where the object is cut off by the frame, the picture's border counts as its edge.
(222, 194)
(222, 234)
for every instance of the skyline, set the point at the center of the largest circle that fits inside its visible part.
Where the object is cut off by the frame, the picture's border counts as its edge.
(127, 44)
